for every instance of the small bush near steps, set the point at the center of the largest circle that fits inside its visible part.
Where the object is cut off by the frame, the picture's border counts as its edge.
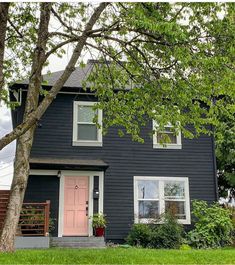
(213, 226)
(140, 235)
(168, 234)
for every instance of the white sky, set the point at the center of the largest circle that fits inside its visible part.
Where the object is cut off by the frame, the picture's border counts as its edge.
(7, 154)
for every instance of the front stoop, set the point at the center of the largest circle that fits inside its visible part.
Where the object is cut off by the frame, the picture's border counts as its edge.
(77, 242)
(31, 242)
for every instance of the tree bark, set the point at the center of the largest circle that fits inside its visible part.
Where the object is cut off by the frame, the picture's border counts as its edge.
(4, 7)
(34, 116)
(24, 143)
(31, 115)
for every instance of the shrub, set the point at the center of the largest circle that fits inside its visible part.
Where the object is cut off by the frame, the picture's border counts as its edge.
(168, 234)
(139, 235)
(213, 227)
(232, 213)
(185, 247)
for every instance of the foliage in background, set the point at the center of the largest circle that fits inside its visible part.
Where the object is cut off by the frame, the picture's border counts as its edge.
(167, 234)
(225, 150)
(213, 226)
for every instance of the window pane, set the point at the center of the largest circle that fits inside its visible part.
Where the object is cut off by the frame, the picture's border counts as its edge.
(148, 189)
(148, 209)
(174, 189)
(168, 129)
(176, 208)
(85, 114)
(161, 137)
(87, 132)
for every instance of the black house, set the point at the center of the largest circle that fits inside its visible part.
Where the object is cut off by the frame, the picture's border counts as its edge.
(82, 172)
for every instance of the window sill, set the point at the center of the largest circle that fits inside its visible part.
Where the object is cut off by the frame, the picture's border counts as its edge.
(168, 146)
(87, 143)
(150, 221)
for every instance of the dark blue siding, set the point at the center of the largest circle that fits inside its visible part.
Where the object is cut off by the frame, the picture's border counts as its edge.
(45, 189)
(126, 159)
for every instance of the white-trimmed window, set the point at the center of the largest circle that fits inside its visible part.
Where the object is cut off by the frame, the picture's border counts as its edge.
(154, 196)
(85, 130)
(174, 138)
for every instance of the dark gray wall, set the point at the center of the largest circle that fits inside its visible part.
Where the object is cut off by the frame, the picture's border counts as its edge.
(126, 159)
(42, 188)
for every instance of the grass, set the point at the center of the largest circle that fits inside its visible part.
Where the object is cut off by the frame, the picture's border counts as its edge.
(119, 256)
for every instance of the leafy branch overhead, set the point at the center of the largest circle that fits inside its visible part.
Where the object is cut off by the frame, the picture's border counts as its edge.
(178, 59)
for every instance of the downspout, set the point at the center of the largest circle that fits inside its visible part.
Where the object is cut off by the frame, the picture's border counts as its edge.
(214, 165)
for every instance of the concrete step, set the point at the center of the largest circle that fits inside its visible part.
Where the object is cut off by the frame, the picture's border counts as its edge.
(77, 242)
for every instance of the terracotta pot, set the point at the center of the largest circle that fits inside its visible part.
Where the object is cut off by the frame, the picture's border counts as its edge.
(99, 231)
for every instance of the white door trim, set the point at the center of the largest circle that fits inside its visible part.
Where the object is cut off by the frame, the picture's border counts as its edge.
(91, 175)
(64, 173)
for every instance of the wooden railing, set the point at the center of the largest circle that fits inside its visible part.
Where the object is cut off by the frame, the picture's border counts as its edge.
(34, 219)
(4, 197)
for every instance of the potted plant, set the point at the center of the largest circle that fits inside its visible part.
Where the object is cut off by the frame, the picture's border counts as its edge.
(99, 224)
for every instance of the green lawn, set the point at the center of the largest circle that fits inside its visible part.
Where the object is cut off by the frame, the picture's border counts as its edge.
(119, 256)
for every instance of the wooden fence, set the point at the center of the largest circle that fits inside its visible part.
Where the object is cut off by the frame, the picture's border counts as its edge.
(4, 196)
(34, 217)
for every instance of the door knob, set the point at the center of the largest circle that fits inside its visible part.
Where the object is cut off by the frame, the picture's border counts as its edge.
(76, 187)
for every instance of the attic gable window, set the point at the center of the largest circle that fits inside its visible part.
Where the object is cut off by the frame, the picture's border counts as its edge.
(159, 138)
(85, 130)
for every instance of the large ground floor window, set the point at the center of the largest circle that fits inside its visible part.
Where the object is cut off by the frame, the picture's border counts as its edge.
(154, 196)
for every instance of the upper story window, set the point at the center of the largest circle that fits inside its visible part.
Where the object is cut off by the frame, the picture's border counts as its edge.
(154, 196)
(174, 139)
(85, 130)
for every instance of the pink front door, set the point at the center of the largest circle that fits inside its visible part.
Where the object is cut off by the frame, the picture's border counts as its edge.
(75, 206)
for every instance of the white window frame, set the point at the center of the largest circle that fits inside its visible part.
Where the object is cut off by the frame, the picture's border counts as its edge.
(178, 144)
(77, 142)
(161, 199)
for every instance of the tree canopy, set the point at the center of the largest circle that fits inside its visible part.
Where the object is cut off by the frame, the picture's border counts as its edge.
(178, 59)
(171, 62)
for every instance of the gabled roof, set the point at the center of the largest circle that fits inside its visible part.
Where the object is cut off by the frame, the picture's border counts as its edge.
(75, 80)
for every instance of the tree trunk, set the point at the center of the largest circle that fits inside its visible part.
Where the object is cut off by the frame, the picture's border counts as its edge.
(3, 27)
(21, 172)
(24, 143)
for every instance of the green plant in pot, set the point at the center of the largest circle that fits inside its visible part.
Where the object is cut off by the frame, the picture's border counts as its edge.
(99, 224)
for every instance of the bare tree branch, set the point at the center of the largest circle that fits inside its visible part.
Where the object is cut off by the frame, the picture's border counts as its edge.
(24, 143)
(14, 27)
(60, 45)
(62, 34)
(69, 28)
(103, 50)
